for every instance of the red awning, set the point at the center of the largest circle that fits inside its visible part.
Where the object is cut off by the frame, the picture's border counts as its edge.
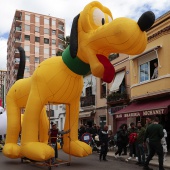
(145, 108)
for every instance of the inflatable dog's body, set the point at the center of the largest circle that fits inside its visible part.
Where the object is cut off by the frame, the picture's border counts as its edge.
(94, 36)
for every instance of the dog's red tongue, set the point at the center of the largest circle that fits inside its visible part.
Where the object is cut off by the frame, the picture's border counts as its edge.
(109, 71)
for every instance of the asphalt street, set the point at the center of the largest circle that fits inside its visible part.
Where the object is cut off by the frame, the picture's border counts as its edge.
(87, 163)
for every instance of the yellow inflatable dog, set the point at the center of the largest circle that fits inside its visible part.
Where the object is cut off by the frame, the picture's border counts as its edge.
(94, 35)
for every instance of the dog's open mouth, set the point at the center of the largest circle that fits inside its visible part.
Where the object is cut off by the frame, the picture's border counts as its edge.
(109, 71)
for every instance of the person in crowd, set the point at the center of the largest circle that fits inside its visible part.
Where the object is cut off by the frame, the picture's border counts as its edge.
(122, 138)
(81, 131)
(89, 129)
(103, 137)
(132, 133)
(94, 131)
(139, 144)
(54, 132)
(155, 133)
(155, 72)
(148, 122)
(164, 144)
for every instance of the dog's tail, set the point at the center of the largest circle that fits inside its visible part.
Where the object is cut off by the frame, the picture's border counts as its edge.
(21, 68)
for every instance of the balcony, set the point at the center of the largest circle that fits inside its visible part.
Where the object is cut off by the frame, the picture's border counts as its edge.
(61, 37)
(61, 27)
(16, 53)
(115, 98)
(61, 47)
(87, 101)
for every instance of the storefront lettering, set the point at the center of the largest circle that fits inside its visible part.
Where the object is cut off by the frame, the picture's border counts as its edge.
(153, 112)
(118, 116)
(135, 114)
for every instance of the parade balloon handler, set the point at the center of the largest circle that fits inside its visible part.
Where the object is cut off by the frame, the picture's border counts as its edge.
(54, 132)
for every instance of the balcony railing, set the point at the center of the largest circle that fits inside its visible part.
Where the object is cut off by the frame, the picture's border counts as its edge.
(61, 36)
(61, 27)
(115, 97)
(18, 29)
(87, 101)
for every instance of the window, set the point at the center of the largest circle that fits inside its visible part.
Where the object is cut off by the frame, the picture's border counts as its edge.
(37, 60)
(89, 91)
(37, 29)
(37, 39)
(148, 70)
(46, 21)
(27, 69)
(27, 59)
(113, 56)
(53, 32)
(103, 89)
(27, 37)
(27, 48)
(27, 27)
(54, 22)
(36, 49)
(53, 41)
(46, 51)
(46, 41)
(46, 31)
(37, 19)
(27, 17)
(53, 52)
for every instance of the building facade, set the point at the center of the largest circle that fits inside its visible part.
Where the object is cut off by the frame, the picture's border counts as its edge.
(150, 78)
(2, 87)
(41, 36)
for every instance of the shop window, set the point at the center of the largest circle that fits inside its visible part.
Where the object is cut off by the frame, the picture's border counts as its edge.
(27, 37)
(46, 41)
(149, 70)
(103, 89)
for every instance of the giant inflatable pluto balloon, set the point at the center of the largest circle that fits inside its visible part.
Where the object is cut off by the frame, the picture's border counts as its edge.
(94, 35)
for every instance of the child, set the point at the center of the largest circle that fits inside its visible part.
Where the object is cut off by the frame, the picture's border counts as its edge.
(164, 144)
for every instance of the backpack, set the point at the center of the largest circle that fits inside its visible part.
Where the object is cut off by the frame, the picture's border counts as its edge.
(132, 138)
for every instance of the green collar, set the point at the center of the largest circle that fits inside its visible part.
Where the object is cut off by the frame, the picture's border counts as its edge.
(75, 64)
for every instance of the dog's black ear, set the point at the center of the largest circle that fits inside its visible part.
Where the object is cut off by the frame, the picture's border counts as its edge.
(74, 37)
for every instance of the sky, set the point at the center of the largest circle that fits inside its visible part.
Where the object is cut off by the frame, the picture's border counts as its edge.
(68, 9)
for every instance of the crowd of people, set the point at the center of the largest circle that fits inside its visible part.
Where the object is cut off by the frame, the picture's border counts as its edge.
(142, 141)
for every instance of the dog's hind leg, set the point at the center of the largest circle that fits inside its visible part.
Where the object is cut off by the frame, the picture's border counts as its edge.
(72, 145)
(11, 149)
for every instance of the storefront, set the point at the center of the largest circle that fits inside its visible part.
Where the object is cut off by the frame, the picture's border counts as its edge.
(138, 111)
(87, 118)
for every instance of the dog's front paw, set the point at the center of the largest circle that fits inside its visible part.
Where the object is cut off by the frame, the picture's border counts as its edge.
(37, 151)
(12, 150)
(77, 148)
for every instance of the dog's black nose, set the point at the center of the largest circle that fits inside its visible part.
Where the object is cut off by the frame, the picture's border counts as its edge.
(146, 20)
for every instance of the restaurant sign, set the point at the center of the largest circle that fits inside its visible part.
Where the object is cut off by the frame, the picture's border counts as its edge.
(142, 113)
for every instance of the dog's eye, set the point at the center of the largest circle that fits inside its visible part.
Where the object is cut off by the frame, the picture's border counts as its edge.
(98, 17)
(103, 21)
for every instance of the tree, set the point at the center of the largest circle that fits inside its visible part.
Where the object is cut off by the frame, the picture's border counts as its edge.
(66, 42)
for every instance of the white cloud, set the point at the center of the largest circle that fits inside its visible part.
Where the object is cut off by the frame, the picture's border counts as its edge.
(68, 9)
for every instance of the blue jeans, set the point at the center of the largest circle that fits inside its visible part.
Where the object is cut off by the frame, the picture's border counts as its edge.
(141, 153)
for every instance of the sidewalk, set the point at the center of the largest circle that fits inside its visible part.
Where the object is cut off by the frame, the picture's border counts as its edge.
(152, 162)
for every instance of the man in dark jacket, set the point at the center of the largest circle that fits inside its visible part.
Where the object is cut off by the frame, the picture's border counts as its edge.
(155, 133)
(103, 137)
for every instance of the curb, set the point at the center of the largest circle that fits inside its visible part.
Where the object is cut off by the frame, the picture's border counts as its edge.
(134, 160)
